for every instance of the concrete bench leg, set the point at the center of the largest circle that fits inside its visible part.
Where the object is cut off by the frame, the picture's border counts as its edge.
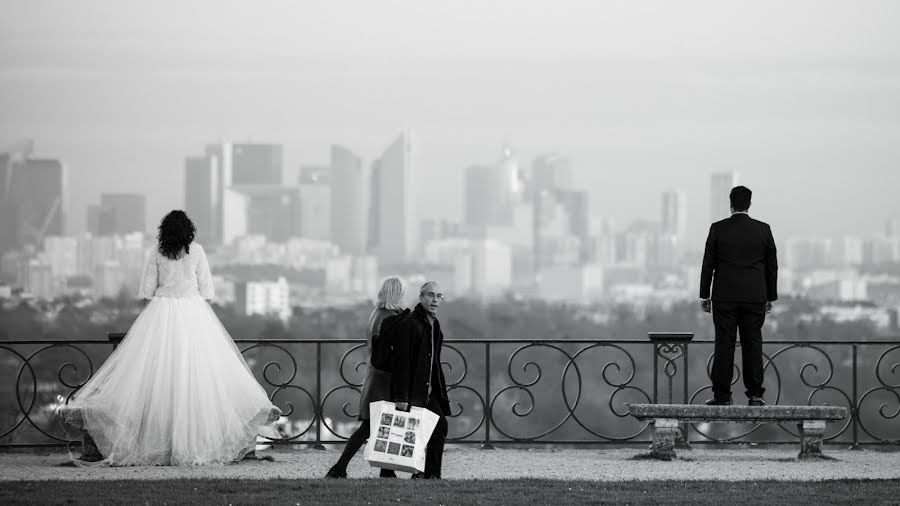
(665, 432)
(812, 436)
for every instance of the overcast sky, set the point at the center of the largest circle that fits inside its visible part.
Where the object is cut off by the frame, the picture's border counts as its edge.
(801, 97)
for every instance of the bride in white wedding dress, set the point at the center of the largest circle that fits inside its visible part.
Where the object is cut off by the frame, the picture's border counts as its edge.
(177, 390)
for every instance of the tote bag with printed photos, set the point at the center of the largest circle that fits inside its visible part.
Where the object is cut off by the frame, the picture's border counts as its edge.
(397, 439)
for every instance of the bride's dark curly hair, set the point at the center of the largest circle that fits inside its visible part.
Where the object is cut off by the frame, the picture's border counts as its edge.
(176, 232)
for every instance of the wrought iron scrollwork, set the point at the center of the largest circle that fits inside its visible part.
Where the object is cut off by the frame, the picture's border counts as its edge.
(522, 391)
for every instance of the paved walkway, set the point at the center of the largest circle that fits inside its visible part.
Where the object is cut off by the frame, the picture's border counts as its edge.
(731, 464)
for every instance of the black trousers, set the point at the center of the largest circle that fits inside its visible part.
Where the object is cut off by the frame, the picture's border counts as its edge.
(356, 441)
(434, 454)
(729, 318)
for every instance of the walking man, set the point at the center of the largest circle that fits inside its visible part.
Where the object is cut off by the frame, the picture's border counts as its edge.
(417, 378)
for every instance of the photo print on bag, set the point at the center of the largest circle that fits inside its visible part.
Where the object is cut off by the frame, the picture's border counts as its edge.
(407, 451)
(412, 423)
(394, 448)
(386, 419)
(399, 421)
(384, 432)
(380, 445)
(410, 437)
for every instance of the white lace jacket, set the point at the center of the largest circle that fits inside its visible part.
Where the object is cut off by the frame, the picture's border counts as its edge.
(188, 275)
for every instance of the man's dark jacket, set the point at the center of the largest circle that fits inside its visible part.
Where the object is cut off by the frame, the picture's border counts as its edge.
(412, 354)
(741, 253)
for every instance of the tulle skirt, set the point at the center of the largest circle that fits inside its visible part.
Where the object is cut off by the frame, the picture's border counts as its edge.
(176, 392)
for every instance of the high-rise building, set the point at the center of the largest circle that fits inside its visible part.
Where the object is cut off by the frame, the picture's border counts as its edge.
(203, 197)
(432, 229)
(561, 213)
(674, 213)
(126, 213)
(393, 203)
(232, 189)
(673, 233)
(32, 198)
(561, 216)
(721, 184)
(551, 172)
(312, 217)
(256, 164)
(349, 201)
(315, 174)
(372, 232)
(492, 191)
(312, 205)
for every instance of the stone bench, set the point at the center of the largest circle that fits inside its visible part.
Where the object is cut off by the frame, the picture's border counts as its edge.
(810, 420)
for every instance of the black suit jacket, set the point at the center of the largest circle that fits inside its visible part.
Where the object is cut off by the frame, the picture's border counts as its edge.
(739, 263)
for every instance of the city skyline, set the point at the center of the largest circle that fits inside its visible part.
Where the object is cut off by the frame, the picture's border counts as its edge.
(804, 111)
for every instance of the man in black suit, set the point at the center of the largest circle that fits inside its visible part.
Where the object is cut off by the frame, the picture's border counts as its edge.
(739, 263)
(416, 376)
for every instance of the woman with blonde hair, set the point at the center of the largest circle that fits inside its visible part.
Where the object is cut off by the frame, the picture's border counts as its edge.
(377, 385)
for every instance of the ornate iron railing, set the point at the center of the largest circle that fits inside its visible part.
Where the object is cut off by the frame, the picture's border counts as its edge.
(550, 391)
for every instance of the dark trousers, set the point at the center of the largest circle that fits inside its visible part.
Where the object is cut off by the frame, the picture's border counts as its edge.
(356, 441)
(435, 451)
(729, 318)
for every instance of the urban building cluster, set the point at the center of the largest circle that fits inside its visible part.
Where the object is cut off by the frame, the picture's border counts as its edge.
(326, 238)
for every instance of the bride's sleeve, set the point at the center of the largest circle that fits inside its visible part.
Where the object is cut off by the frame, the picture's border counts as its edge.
(150, 278)
(204, 277)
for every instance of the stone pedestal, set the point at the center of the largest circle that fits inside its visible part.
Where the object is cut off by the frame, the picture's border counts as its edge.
(665, 432)
(812, 435)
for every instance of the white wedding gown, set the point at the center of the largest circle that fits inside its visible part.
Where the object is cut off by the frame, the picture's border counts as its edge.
(177, 390)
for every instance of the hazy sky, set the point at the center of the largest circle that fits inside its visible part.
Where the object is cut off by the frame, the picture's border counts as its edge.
(801, 97)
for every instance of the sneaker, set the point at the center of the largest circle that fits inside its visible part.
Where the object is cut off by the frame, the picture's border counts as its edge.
(718, 402)
(756, 401)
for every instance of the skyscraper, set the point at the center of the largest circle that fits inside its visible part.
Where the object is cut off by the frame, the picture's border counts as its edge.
(721, 184)
(551, 172)
(372, 237)
(314, 174)
(221, 185)
(674, 213)
(127, 212)
(32, 198)
(491, 191)
(393, 202)
(349, 201)
(256, 164)
(203, 197)
(562, 214)
(312, 214)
